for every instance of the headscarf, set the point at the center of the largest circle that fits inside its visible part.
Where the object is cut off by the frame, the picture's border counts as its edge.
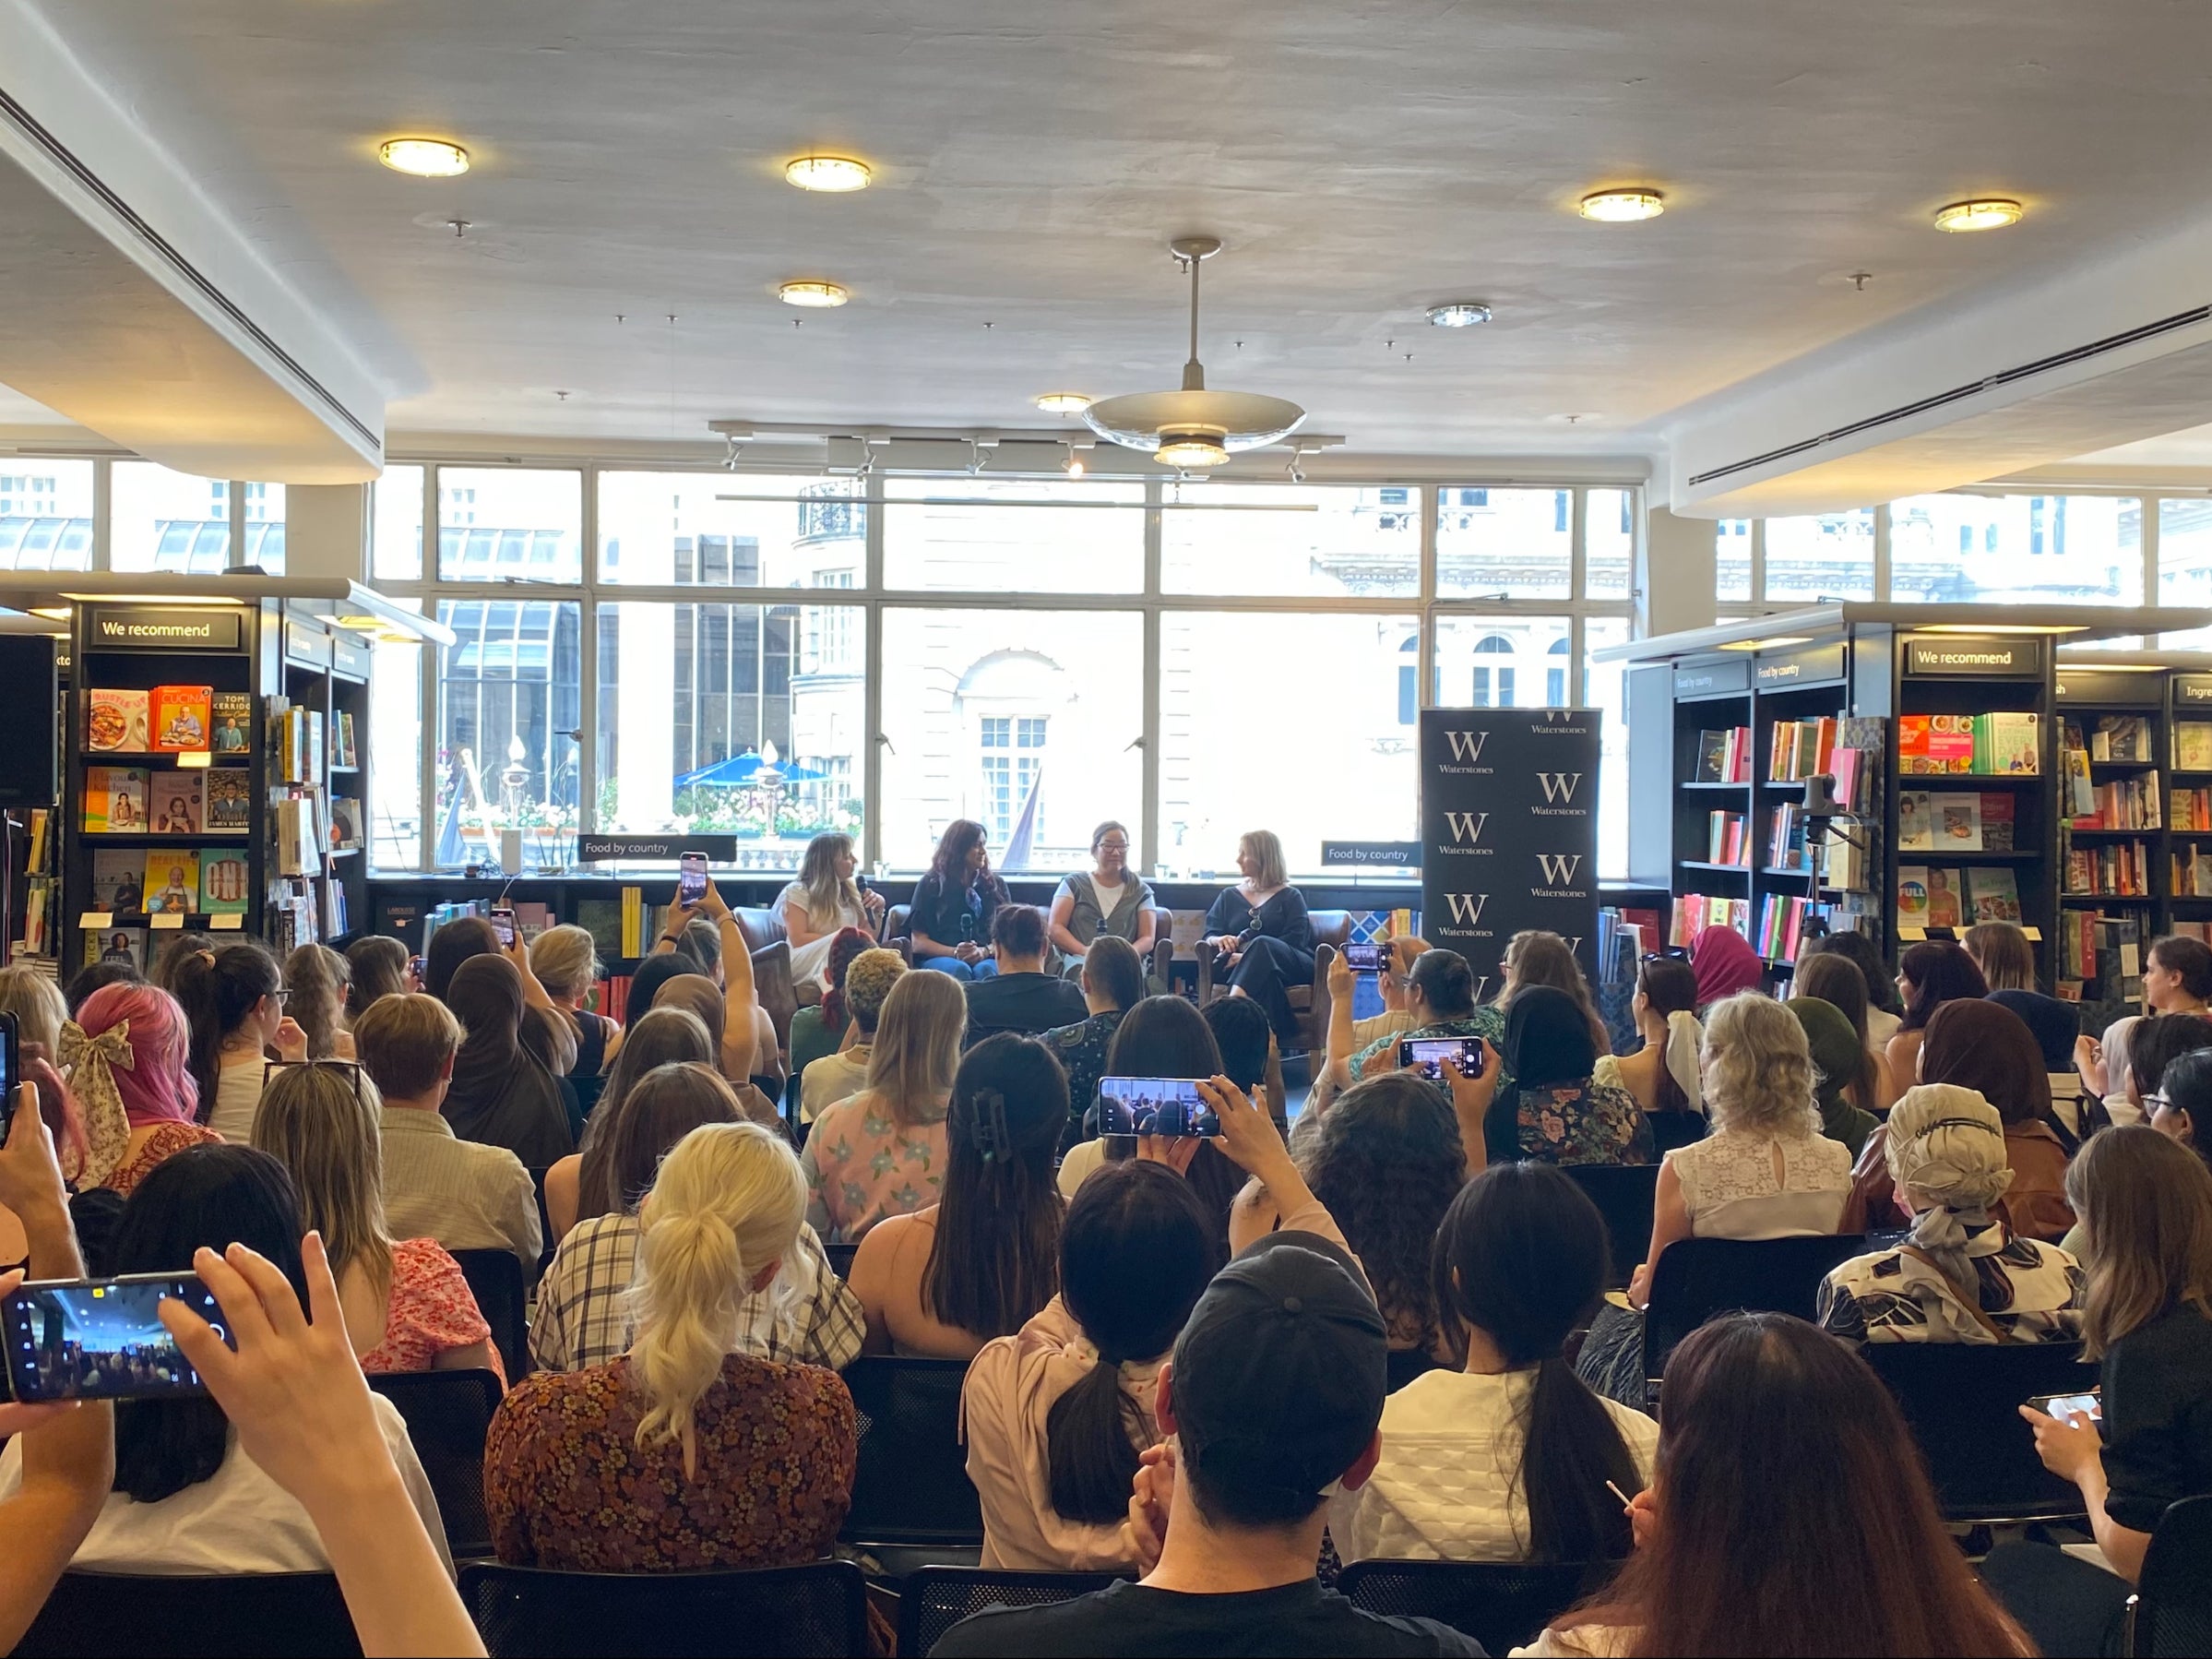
(2118, 1065)
(1980, 1046)
(1946, 1151)
(127, 1050)
(502, 1094)
(2053, 1024)
(1547, 1038)
(1725, 963)
(1837, 1058)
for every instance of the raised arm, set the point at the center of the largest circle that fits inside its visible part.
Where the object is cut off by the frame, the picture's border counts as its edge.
(1342, 1043)
(739, 997)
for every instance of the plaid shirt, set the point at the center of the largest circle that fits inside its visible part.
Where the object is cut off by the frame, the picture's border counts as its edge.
(806, 1314)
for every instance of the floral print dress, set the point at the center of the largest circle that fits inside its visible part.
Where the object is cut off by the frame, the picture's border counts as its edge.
(861, 1165)
(1583, 1123)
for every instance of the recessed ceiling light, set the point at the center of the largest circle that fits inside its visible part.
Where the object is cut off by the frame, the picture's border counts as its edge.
(1191, 449)
(1987, 213)
(812, 293)
(1624, 207)
(425, 158)
(833, 174)
(1459, 313)
(1063, 402)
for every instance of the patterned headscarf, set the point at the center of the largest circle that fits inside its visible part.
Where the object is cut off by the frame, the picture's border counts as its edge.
(1946, 1151)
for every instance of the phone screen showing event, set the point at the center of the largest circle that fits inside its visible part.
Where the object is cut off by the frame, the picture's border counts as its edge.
(101, 1341)
(1154, 1105)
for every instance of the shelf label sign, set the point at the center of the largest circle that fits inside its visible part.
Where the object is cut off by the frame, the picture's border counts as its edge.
(2192, 690)
(182, 628)
(1370, 855)
(1820, 666)
(1974, 659)
(1710, 678)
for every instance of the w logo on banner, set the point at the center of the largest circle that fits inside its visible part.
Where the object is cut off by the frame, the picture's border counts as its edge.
(1467, 827)
(1466, 746)
(1558, 868)
(1467, 908)
(1560, 787)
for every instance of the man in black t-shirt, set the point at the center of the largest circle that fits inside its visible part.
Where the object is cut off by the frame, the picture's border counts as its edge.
(1273, 1393)
(1022, 996)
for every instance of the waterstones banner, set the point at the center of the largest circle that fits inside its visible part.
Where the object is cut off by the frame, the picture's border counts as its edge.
(1509, 832)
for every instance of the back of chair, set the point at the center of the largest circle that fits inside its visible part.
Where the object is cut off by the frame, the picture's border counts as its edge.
(447, 1414)
(1503, 1605)
(840, 1257)
(899, 930)
(495, 1281)
(819, 1608)
(1963, 1401)
(2170, 1612)
(1624, 1194)
(160, 1615)
(1700, 1277)
(911, 1485)
(1331, 926)
(934, 1599)
(760, 928)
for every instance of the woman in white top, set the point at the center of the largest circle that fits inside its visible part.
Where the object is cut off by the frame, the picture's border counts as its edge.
(235, 995)
(824, 899)
(1109, 899)
(186, 1500)
(1509, 1458)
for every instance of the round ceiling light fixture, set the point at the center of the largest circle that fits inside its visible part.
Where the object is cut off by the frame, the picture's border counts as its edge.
(424, 158)
(1063, 402)
(812, 294)
(1983, 213)
(1193, 428)
(1622, 207)
(831, 174)
(1459, 313)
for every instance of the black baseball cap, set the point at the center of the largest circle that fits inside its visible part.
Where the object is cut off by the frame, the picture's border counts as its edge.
(1281, 1370)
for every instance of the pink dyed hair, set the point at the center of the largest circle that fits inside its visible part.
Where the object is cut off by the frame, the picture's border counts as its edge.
(158, 1087)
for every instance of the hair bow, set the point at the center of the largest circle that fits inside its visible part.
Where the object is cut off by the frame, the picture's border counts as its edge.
(88, 1062)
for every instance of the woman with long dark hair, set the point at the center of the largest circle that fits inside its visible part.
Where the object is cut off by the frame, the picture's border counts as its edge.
(1782, 1456)
(376, 966)
(502, 1092)
(1988, 1048)
(1929, 974)
(576, 1187)
(985, 1257)
(954, 904)
(1662, 1075)
(234, 998)
(1557, 1111)
(1505, 1456)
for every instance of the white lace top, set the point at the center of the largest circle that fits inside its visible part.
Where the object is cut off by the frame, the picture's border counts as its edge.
(1728, 1185)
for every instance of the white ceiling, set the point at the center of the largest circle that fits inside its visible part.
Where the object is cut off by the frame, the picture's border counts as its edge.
(1361, 160)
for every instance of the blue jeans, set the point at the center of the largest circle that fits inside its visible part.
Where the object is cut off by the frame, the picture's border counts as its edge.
(986, 969)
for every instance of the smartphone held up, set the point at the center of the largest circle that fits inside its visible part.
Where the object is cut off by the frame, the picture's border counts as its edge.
(102, 1339)
(1155, 1105)
(1425, 1057)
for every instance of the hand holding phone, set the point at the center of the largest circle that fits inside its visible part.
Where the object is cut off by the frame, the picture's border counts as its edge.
(1169, 1107)
(503, 923)
(100, 1339)
(1363, 959)
(1424, 1056)
(691, 879)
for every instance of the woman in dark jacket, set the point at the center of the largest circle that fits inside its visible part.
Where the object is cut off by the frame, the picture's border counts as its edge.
(954, 904)
(1261, 936)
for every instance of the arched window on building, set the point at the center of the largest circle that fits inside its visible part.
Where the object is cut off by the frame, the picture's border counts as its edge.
(1555, 675)
(1494, 682)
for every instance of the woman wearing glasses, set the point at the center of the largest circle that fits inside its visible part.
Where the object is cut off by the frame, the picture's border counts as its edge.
(407, 1306)
(1105, 899)
(235, 997)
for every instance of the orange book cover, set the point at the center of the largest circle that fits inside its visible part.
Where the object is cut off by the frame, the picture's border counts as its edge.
(181, 717)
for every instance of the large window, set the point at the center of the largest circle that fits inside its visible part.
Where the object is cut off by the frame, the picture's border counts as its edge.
(165, 521)
(1503, 662)
(1289, 539)
(2018, 549)
(1013, 535)
(510, 524)
(509, 700)
(720, 530)
(1506, 543)
(45, 515)
(1830, 555)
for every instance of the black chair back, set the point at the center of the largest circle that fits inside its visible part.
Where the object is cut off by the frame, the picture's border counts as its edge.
(911, 1485)
(2170, 1612)
(447, 1414)
(1963, 1403)
(165, 1617)
(1700, 1277)
(934, 1599)
(1503, 1605)
(841, 1258)
(1624, 1194)
(495, 1281)
(1672, 1131)
(819, 1608)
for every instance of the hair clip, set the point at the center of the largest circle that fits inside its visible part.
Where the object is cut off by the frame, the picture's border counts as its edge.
(989, 1129)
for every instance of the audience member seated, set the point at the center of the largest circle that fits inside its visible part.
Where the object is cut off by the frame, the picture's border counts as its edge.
(1393, 980)
(1021, 997)
(682, 1453)
(808, 1313)
(2182, 1107)
(1869, 1089)
(1556, 1110)
(86, 980)
(1884, 1008)
(1246, 1043)
(1765, 1171)
(1534, 956)
(1506, 1455)
(2146, 1203)
(880, 1151)
(565, 960)
(1661, 1077)
(1725, 965)
(697, 995)
(955, 903)
(980, 1261)
(169, 956)
(835, 1077)
(1270, 1402)
(1929, 974)
(376, 967)
(1963, 1276)
(1440, 1002)
(1112, 982)
(824, 1028)
(545, 1030)
(746, 1039)
(37, 1003)
(316, 979)
(124, 1055)
(1105, 902)
(2007, 962)
(2177, 975)
(408, 1306)
(1260, 935)
(1988, 1049)
(1789, 1515)
(2102, 1066)
(1839, 1060)
(502, 1094)
(186, 1499)
(464, 1195)
(578, 1187)
(235, 997)
(822, 901)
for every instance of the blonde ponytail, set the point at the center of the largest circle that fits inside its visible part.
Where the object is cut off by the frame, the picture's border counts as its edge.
(729, 1200)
